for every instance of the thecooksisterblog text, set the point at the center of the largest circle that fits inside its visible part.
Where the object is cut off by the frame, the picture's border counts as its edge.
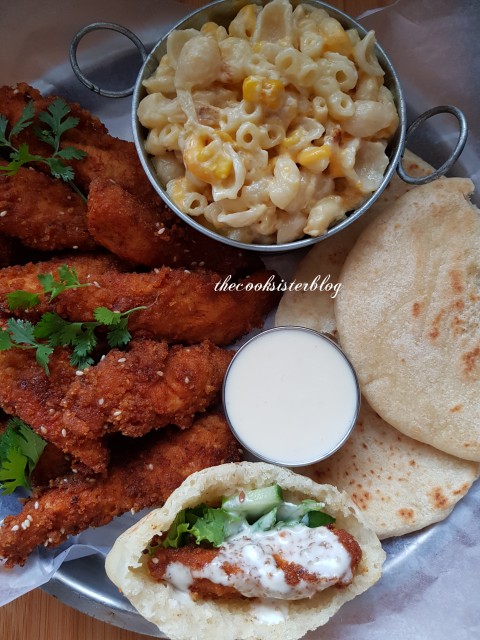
(319, 283)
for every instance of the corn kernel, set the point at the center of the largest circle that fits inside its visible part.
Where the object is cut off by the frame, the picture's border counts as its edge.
(336, 168)
(266, 91)
(206, 159)
(316, 159)
(336, 38)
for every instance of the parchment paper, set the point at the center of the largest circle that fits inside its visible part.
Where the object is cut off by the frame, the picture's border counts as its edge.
(431, 581)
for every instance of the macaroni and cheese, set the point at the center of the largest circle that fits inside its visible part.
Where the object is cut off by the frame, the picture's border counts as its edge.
(273, 128)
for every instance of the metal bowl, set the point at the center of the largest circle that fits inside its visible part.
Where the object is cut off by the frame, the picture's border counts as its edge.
(222, 12)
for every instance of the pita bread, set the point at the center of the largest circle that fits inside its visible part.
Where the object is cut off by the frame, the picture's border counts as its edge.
(400, 485)
(181, 618)
(408, 316)
(315, 309)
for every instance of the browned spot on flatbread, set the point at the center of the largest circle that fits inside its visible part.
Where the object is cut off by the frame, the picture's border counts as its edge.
(361, 499)
(469, 360)
(456, 408)
(412, 463)
(416, 309)
(438, 498)
(461, 490)
(406, 514)
(435, 330)
(456, 280)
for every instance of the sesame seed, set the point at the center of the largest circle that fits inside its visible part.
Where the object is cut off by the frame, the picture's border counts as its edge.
(75, 246)
(155, 560)
(3, 214)
(187, 379)
(95, 284)
(79, 373)
(29, 517)
(117, 413)
(36, 505)
(201, 264)
(160, 373)
(51, 411)
(101, 401)
(74, 470)
(64, 433)
(50, 540)
(187, 271)
(25, 524)
(105, 426)
(15, 527)
(69, 197)
(65, 479)
(150, 467)
(61, 213)
(45, 544)
(160, 231)
(62, 531)
(132, 511)
(186, 251)
(1, 522)
(157, 271)
(193, 264)
(103, 358)
(43, 429)
(122, 360)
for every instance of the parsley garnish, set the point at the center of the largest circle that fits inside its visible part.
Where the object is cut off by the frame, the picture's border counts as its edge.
(54, 331)
(67, 279)
(20, 450)
(57, 122)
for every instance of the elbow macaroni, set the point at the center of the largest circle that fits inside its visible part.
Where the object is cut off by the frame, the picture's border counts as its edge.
(271, 128)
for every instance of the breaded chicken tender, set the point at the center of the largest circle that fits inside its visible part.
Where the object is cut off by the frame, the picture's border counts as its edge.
(25, 277)
(43, 212)
(147, 387)
(146, 233)
(142, 473)
(132, 392)
(107, 156)
(182, 306)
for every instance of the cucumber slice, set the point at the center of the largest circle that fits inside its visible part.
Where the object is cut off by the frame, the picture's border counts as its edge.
(254, 503)
(315, 519)
(266, 522)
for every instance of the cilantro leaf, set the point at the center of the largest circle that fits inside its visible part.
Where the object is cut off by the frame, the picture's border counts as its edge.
(21, 332)
(5, 340)
(20, 450)
(107, 317)
(25, 120)
(68, 279)
(22, 300)
(56, 121)
(119, 336)
(13, 471)
(60, 170)
(211, 527)
(71, 153)
(3, 132)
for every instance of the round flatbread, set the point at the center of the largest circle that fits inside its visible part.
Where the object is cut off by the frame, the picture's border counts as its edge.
(408, 316)
(315, 309)
(401, 485)
(237, 619)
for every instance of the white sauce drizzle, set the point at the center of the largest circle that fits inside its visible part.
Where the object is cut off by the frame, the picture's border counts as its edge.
(318, 550)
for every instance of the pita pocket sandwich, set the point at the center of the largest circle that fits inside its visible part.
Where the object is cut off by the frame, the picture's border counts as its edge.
(246, 551)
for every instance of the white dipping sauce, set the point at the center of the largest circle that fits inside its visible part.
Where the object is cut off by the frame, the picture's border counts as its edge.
(291, 396)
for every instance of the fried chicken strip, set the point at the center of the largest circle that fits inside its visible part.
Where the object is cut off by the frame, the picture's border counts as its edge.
(27, 392)
(182, 306)
(145, 233)
(25, 277)
(108, 157)
(43, 212)
(147, 387)
(143, 474)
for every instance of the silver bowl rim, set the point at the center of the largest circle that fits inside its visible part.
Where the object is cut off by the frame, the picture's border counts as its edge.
(396, 153)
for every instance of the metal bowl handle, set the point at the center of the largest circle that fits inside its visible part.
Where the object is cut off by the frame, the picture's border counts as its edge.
(95, 26)
(448, 164)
